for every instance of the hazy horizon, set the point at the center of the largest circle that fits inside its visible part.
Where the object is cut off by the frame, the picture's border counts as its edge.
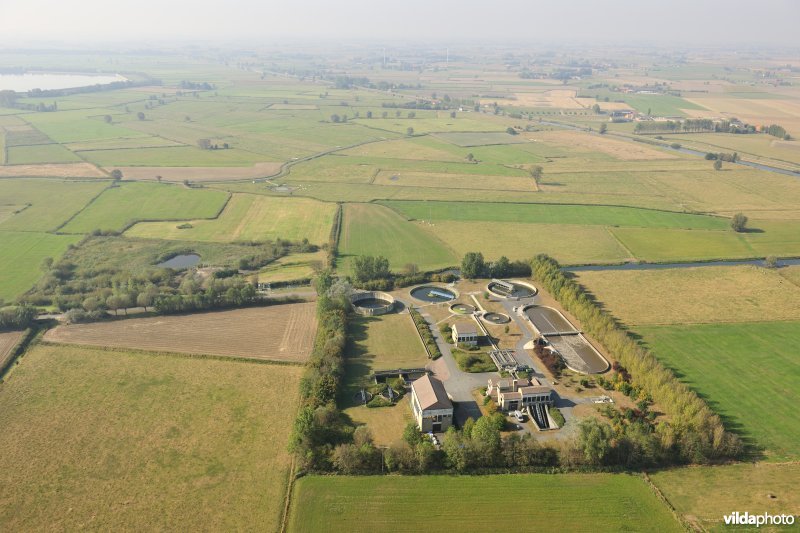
(683, 22)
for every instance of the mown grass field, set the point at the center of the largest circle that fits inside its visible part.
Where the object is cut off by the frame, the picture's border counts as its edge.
(293, 267)
(569, 244)
(121, 206)
(695, 295)
(249, 217)
(369, 229)
(52, 202)
(21, 254)
(747, 372)
(380, 343)
(227, 333)
(118, 441)
(568, 502)
(703, 495)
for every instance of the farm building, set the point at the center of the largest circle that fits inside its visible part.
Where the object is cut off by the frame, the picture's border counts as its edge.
(433, 410)
(465, 332)
(622, 115)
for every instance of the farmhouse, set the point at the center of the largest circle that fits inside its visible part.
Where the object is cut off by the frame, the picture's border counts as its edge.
(622, 115)
(465, 332)
(433, 410)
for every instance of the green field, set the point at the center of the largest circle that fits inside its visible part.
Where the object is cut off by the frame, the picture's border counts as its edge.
(569, 244)
(52, 202)
(747, 372)
(703, 495)
(369, 229)
(21, 254)
(249, 217)
(116, 441)
(121, 206)
(41, 153)
(555, 214)
(661, 245)
(566, 502)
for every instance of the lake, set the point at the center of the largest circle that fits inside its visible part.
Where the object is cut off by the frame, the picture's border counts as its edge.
(52, 81)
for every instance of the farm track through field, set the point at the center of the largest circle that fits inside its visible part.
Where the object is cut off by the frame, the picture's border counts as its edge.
(279, 333)
(8, 341)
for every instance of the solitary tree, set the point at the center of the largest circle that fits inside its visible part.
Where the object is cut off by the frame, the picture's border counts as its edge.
(409, 131)
(116, 174)
(140, 115)
(470, 157)
(536, 174)
(107, 119)
(204, 144)
(596, 109)
(717, 165)
(511, 131)
(739, 222)
(384, 114)
(369, 114)
(603, 128)
(336, 118)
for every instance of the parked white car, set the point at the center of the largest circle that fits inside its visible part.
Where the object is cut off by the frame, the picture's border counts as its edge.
(520, 416)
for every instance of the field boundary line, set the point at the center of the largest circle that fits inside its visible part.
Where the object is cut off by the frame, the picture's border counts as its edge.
(79, 211)
(566, 204)
(16, 351)
(183, 355)
(688, 526)
(287, 504)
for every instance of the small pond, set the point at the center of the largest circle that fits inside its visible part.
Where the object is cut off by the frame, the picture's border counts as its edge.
(180, 261)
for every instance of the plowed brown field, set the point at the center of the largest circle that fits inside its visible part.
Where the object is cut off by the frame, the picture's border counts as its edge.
(277, 333)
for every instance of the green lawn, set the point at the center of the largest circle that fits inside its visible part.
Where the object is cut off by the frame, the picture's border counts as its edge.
(370, 229)
(118, 441)
(542, 502)
(21, 255)
(40, 153)
(747, 372)
(250, 217)
(52, 202)
(555, 214)
(120, 206)
(660, 244)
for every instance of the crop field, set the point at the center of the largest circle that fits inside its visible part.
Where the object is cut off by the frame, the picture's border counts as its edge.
(49, 202)
(758, 146)
(704, 495)
(250, 217)
(576, 502)
(369, 229)
(21, 254)
(122, 206)
(729, 365)
(695, 295)
(172, 156)
(237, 333)
(143, 442)
(52, 170)
(8, 341)
(558, 214)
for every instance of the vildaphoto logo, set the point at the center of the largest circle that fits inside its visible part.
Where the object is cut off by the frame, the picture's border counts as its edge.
(758, 520)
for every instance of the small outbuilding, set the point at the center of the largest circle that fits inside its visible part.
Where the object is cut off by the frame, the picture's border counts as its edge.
(465, 332)
(433, 410)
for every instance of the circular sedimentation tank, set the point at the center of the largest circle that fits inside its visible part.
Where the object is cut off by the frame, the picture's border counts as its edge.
(519, 289)
(372, 303)
(496, 318)
(462, 309)
(433, 294)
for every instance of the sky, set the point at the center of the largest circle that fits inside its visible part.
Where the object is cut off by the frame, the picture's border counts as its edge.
(689, 22)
